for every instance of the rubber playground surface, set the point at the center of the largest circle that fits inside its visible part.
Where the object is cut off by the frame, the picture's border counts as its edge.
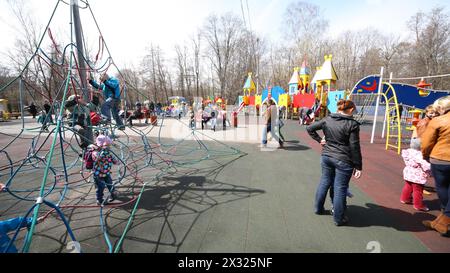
(229, 197)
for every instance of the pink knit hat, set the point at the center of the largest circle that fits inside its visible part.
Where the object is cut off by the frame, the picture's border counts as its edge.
(103, 140)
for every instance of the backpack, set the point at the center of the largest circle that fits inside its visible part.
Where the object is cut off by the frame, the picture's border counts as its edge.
(88, 160)
(95, 118)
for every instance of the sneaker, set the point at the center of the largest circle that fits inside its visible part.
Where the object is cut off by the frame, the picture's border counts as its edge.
(406, 202)
(112, 198)
(121, 128)
(425, 209)
(105, 121)
(319, 212)
(343, 222)
(99, 202)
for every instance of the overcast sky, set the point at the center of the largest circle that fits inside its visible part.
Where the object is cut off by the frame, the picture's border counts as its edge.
(130, 26)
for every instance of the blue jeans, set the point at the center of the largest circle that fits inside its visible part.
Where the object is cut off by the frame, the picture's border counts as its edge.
(102, 183)
(213, 123)
(48, 118)
(441, 174)
(336, 174)
(266, 129)
(112, 105)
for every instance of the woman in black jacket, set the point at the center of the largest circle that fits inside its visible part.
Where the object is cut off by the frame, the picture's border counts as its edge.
(341, 157)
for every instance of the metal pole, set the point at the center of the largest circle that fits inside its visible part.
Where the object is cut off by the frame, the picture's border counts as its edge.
(386, 110)
(21, 102)
(80, 49)
(380, 87)
(81, 63)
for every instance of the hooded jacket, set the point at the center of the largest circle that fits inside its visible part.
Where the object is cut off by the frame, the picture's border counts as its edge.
(342, 138)
(110, 88)
(8, 226)
(416, 170)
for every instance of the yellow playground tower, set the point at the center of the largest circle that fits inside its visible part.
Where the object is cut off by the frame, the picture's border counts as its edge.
(324, 79)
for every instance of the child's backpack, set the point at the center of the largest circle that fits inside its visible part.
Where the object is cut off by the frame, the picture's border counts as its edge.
(95, 118)
(89, 159)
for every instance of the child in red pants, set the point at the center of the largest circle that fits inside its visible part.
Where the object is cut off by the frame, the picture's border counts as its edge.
(416, 172)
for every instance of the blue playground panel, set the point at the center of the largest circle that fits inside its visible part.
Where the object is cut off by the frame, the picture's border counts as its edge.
(333, 98)
(293, 89)
(276, 92)
(406, 94)
(241, 100)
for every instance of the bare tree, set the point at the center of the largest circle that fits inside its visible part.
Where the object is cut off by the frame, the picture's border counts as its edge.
(390, 48)
(222, 35)
(156, 75)
(182, 69)
(304, 26)
(196, 43)
(43, 72)
(133, 80)
(432, 43)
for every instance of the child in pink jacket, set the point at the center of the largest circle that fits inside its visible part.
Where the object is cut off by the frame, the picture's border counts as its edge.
(415, 173)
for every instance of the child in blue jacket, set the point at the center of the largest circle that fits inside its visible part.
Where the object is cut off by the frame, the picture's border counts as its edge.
(111, 94)
(11, 225)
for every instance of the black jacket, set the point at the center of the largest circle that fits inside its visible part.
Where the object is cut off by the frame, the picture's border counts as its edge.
(47, 108)
(342, 137)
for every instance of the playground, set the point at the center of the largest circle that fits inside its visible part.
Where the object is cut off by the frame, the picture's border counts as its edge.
(194, 175)
(230, 204)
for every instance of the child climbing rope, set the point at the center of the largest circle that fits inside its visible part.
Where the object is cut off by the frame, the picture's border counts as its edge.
(111, 94)
(9, 226)
(78, 114)
(103, 161)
